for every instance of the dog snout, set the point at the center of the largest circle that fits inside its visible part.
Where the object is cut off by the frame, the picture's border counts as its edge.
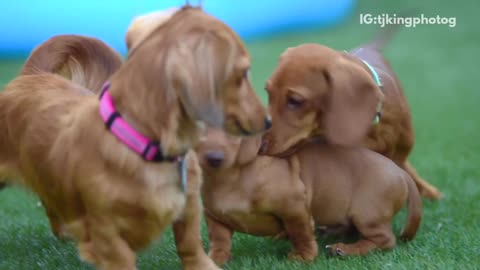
(268, 122)
(215, 159)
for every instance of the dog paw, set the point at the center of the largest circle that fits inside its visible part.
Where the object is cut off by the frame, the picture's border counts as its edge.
(295, 256)
(219, 257)
(335, 250)
(307, 255)
(205, 264)
(85, 250)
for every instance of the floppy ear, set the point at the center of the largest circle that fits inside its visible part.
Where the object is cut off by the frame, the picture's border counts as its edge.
(248, 149)
(142, 26)
(353, 100)
(197, 71)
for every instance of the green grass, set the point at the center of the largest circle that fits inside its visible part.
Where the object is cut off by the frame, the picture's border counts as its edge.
(436, 65)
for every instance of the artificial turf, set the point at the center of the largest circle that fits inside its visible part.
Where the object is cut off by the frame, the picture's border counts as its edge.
(436, 65)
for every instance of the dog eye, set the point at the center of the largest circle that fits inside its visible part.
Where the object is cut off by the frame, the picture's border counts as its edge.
(246, 74)
(294, 103)
(242, 76)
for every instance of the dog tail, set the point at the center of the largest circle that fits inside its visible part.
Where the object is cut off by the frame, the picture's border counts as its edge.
(86, 61)
(414, 215)
(386, 35)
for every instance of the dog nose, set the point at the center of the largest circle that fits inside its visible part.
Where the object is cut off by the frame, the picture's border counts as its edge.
(215, 159)
(268, 122)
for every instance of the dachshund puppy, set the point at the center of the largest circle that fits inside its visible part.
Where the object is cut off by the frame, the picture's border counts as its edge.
(349, 98)
(258, 195)
(338, 187)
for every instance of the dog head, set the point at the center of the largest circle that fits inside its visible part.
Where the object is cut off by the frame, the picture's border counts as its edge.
(318, 92)
(204, 64)
(218, 150)
(143, 25)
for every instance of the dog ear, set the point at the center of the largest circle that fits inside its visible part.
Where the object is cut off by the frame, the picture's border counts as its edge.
(248, 149)
(196, 68)
(142, 26)
(353, 100)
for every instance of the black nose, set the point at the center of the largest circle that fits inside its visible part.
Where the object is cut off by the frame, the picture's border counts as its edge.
(215, 159)
(268, 122)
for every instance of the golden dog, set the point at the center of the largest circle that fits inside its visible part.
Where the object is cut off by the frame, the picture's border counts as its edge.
(86, 61)
(110, 199)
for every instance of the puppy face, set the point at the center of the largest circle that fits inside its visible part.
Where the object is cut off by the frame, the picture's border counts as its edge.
(207, 66)
(316, 91)
(218, 150)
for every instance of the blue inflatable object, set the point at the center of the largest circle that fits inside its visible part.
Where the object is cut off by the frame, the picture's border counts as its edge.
(26, 23)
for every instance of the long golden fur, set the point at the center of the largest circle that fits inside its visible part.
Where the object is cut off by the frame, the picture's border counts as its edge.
(190, 68)
(347, 188)
(84, 60)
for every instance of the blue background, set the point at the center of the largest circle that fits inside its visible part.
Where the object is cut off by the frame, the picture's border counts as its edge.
(26, 23)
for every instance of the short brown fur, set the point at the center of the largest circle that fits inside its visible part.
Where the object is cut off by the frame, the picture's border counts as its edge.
(316, 91)
(270, 196)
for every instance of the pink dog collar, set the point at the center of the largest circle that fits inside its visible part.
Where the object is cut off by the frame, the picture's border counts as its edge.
(148, 149)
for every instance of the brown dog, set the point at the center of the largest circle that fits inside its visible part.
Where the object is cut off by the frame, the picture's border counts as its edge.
(111, 200)
(338, 186)
(257, 195)
(319, 92)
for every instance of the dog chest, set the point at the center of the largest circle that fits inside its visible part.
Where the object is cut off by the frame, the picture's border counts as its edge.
(241, 214)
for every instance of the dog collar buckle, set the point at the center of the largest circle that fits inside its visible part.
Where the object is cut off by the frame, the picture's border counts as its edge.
(183, 170)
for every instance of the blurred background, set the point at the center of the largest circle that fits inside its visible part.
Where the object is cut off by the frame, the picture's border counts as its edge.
(36, 20)
(436, 64)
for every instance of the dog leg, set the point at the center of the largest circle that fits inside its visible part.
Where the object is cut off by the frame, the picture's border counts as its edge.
(426, 189)
(220, 241)
(300, 231)
(374, 236)
(55, 223)
(106, 249)
(296, 217)
(188, 239)
(187, 229)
